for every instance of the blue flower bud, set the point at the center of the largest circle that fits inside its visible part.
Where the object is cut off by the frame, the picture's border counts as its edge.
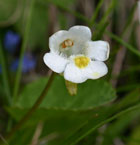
(29, 63)
(11, 41)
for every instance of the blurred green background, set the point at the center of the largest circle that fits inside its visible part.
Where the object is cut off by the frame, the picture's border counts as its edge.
(104, 111)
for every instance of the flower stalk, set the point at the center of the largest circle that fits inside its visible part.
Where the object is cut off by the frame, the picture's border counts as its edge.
(33, 109)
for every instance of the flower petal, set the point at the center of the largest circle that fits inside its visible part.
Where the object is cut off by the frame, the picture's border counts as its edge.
(57, 38)
(74, 74)
(82, 31)
(97, 69)
(55, 62)
(98, 50)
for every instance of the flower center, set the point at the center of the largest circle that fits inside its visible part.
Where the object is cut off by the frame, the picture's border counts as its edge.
(66, 43)
(81, 61)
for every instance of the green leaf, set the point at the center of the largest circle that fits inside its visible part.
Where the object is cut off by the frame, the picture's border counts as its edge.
(7, 8)
(104, 115)
(62, 112)
(134, 139)
(61, 122)
(91, 94)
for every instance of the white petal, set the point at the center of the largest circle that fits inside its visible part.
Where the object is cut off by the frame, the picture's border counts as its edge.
(57, 38)
(81, 31)
(98, 69)
(55, 62)
(98, 50)
(74, 74)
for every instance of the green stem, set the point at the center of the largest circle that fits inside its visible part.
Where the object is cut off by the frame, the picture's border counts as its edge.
(23, 47)
(5, 75)
(33, 109)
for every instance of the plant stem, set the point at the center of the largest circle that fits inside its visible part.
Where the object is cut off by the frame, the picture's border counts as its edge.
(34, 107)
(23, 47)
(5, 76)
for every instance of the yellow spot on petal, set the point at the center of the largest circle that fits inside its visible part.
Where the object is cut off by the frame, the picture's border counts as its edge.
(96, 74)
(81, 61)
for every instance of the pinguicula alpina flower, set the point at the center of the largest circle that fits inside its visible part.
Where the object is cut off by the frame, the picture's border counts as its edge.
(11, 41)
(74, 54)
(29, 63)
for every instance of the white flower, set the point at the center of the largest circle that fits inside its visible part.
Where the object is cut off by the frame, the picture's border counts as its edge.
(73, 53)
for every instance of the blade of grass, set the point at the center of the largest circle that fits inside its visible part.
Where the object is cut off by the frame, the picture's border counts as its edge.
(129, 20)
(89, 128)
(5, 76)
(121, 52)
(106, 14)
(97, 36)
(94, 16)
(102, 25)
(23, 47)
(122, 42)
